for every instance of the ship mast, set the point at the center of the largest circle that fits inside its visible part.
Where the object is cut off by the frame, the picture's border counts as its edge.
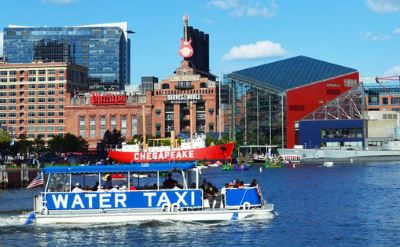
(191, 123)
(144, 125)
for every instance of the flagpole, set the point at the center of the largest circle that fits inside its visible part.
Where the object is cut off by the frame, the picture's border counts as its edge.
(219, 105)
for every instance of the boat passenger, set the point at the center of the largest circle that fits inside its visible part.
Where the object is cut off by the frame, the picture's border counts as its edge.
(176, 186)
(77, 188)
(211, 192)
(169, 183)
(254, 183)
(95, 187)
(132, 187)
(108, 183)
(223, 193)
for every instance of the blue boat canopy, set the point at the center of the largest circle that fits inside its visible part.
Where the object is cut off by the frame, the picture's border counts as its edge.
(120, 168)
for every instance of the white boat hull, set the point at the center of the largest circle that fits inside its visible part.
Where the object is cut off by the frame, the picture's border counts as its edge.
(151, 215)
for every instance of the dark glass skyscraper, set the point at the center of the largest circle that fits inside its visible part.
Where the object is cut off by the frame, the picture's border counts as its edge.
(103, 48)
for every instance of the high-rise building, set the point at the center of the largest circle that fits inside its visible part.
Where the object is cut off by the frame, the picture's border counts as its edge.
(33, 96)
(104, 49)
(200, 44)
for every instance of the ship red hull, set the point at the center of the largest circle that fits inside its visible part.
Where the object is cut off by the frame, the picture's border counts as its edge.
(212, 153)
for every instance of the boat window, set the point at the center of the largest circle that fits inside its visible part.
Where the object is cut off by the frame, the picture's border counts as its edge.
(59, 183)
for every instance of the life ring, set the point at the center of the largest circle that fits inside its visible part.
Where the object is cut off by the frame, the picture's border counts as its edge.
(246, 206)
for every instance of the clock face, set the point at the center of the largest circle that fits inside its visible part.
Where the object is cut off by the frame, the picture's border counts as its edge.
(186, 50)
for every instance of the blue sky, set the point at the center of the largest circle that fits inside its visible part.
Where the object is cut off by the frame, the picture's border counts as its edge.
(361, 34)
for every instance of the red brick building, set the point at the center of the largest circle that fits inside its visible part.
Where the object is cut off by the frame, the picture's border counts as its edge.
(173, 98)
(90, 115)
(33, 97)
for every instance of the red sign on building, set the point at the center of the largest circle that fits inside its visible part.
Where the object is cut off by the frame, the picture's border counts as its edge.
(107, 99)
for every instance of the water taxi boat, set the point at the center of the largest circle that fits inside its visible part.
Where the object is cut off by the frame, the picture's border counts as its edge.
(60, 204)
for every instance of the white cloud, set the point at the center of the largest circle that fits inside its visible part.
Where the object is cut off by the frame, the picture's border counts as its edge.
(384, 6)
(248, 8)
(375, 36)
(397, 31)
(1, 43)
(260, 49)
(60, 2)
(395, 70)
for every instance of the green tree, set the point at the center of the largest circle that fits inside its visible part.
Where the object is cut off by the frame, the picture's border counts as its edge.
(209, 140)
(39, 144)
(5, 141)
(24, 145)
(68, 143)
(56, 144)
(113, 137)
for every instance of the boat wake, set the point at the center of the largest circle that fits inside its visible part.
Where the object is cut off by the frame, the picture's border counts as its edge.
(9, 220)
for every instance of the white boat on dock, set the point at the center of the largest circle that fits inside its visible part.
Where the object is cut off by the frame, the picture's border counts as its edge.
(57, 206)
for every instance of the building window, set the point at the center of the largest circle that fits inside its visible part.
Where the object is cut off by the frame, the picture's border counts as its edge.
(341, 133)
(92, 127)
(123, 125)
(134, 125)
(211, 126)
(82, 126)
(211, 111)
(102, 126)
(113, 122)
(385, 101)
(158, 112)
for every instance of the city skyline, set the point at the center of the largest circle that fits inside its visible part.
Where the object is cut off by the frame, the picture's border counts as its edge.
(359, 34)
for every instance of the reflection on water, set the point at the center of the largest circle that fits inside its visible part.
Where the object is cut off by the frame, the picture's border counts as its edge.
(345, 205)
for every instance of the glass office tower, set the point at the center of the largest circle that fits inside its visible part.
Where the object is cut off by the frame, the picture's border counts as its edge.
(103, 48)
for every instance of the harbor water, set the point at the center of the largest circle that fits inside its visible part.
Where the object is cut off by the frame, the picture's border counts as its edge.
(343, 205)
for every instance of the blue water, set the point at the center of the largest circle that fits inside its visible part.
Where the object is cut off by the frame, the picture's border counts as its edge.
(346, 205)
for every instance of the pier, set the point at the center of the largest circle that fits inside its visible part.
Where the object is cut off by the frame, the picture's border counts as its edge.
(13, 177)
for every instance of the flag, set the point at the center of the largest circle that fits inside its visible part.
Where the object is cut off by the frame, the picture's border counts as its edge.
(37, 181)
